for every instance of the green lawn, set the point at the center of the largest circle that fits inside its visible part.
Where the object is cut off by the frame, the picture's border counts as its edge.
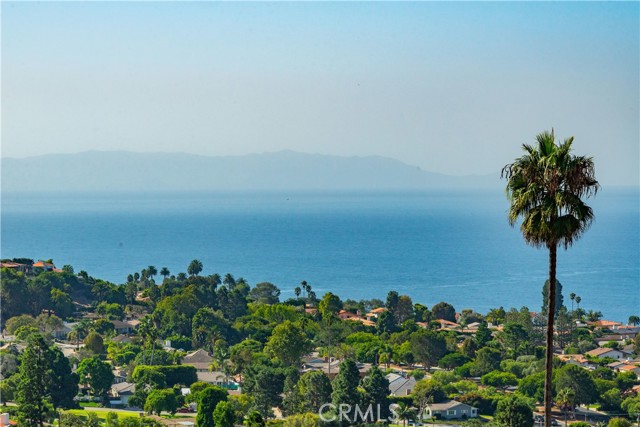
(102, 412)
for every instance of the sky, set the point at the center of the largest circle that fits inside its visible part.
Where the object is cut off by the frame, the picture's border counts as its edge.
(450, 87)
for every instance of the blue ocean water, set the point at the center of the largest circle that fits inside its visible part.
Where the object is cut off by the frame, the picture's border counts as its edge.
(433, 246)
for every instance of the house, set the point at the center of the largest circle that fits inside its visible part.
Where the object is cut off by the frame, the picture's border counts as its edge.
(344, 315)
(22, 268)
(120, 393)
(373, 314)
(605, 324)
(121, 339)
(329, 366)
(448, 325)
(619, 338)
(450, 410)
(364, 321)
(314, 362)
(400, 385)
(44, 266)
(627, 367)
(576, 359)
(604, 352)
(199, 359)
(126, 327)
(213, 377)
(61, 332)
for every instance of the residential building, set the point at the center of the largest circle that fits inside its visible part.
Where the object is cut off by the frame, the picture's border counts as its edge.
(400, 385)
(450, 410)
(604, 352)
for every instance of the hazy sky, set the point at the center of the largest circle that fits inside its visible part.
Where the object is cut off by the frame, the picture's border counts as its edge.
(450, 87)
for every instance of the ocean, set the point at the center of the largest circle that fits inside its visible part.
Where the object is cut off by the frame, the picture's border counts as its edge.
(433, 246)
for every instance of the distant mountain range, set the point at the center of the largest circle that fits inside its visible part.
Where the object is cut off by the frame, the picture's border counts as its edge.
(285, 170)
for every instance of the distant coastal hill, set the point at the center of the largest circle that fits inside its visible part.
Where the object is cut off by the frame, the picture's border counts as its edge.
(284, 170)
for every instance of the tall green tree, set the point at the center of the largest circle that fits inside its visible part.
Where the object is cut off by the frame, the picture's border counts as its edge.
(34, 405)
(428, 347)
(208, 399)
(345, 386)
(98, 375)
(288, 343)
(223, 415)
(62, 383)
(514, 411)
(315, 390)
(195, 267)
(545, 188)
(545, 298)
(376, 389)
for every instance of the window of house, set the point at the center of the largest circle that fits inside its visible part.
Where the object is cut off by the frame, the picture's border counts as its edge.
(451, 412)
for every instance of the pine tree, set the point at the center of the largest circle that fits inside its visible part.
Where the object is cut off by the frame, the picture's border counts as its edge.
(376, 390)
(34, 405)
(345, 386)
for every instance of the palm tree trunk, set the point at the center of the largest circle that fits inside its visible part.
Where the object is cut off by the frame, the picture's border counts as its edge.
(548, 396)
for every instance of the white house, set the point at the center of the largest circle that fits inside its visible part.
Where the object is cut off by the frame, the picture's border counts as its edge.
(604, 352)
(450, 410)
(121, 392)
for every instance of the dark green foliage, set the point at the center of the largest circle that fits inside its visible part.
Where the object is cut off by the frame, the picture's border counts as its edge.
(487, 360)
(160, 400)
(376, 390)
(483, 335)
(453, 360)
(254, 419)
(545, 297)
(345, 385)
(499, 379)
(98, 375)
(265, 381)
(208, 326)
(330, 305)
(94, 342)
(173, 374)
(513, 411)
(443, 310)
(533, 386)
(33, 404)
(223, 415)
(314, 389)
(288, 343)
(386, 323)
(265, 293)
(208, 399)
(486, 405)
(579, 380)
(428, 347)
(62, 383)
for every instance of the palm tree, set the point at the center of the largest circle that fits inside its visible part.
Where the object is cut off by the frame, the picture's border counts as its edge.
(151, 271)
(164, 272)
(149, 333)
(634, 320)
(545, 187)
(229, 281)
(297, 291)
(195, 267)
(578, 300)
(404, 412)
(564, 400)
(572, 297)
(306, 287)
